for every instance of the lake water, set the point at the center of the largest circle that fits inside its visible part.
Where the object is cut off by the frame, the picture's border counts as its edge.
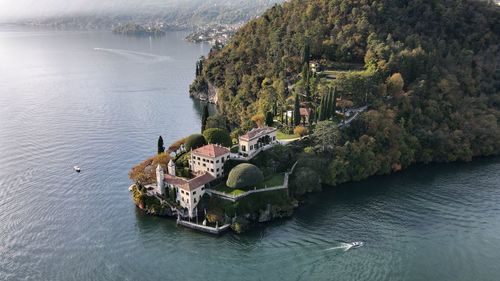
(100, 101)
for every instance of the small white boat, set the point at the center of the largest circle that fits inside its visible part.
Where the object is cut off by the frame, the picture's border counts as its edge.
(356, 244)
(353, 245)
(77, 169)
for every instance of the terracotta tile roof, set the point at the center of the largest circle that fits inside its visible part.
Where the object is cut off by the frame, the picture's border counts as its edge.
(198, 181)
(174, 180)
(211, 150)
(305, 111)
(257, 133)
(191, 184)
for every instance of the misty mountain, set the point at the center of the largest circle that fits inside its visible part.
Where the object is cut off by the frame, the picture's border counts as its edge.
(92, 14)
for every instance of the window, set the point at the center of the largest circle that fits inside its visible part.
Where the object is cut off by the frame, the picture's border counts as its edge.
(194, 200)
(204, 165)
(251, 147)
(222, 160)
(243, 148)
(218, 175)
(203, 188)
(217, 169)
(274, 138)
(194, 192)
(211, 161)
(217, 161)
(208, 169)
(227, 157)
(212, 170)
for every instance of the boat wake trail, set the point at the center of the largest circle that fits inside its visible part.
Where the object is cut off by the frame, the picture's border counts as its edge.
(133, 54)
(346, 246)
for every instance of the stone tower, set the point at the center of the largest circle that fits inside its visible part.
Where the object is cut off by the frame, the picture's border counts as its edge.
(160, 175)
(171, 168)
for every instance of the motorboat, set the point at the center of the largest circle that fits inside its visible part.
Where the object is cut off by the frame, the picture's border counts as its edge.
(353, 245)
(356, 244)
(77, 169)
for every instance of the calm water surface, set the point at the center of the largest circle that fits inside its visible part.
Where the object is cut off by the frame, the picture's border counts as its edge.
(100, 101)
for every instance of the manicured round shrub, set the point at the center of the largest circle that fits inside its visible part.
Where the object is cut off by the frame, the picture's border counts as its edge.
(194, 141)
(218, 136)
(244, 175)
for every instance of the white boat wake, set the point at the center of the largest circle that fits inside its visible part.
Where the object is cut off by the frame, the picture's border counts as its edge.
(346, 246)
(133, 54)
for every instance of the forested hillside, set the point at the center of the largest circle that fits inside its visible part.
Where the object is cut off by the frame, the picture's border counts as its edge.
(428, 69)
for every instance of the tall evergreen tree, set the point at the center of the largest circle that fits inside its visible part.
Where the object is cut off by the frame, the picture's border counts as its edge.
(334, 102)
(328, 103)
(306, 53)
(269, 119)
(204, 118)
(296, 111)
(321, 110)
(161, 148)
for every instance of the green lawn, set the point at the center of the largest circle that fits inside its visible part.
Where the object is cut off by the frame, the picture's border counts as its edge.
(225, 189)
(275, 180)
(283, 136)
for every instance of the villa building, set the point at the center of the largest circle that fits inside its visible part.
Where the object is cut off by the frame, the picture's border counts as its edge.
(206, 165)
(209, 159)
(305, 115)
(188, 191)
(251, 142)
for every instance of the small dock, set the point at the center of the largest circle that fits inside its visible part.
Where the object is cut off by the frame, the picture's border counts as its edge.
(203, 228)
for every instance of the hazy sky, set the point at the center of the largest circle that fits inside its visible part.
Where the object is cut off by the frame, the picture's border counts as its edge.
(36, 8)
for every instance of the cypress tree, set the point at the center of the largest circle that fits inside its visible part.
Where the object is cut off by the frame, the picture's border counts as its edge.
(204, 118)
(321, 110)
(161, 148)
(269, 119)
(306, 53)
(334, 102)
(328, 112)
(296, 111)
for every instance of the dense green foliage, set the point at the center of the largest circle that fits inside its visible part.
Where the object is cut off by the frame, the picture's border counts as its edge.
(218, 136)
(204, 118)
(194, 141)
(244, 175)
(429, 69)
(216, 121)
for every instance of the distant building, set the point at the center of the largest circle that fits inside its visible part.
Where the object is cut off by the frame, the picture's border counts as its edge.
(305, 115)
(251, 142)
(209, 159)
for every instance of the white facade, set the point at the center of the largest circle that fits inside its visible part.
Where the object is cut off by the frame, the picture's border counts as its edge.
(189, 192)
(209, 159)
(160, 175)
(189, 199)
(171, 168)
(253, 141)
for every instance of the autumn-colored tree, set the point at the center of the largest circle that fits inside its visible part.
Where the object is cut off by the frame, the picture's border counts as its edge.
(259, 119)
(301, 131)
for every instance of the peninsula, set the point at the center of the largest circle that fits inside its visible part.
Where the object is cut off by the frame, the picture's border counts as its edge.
(358, 89)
